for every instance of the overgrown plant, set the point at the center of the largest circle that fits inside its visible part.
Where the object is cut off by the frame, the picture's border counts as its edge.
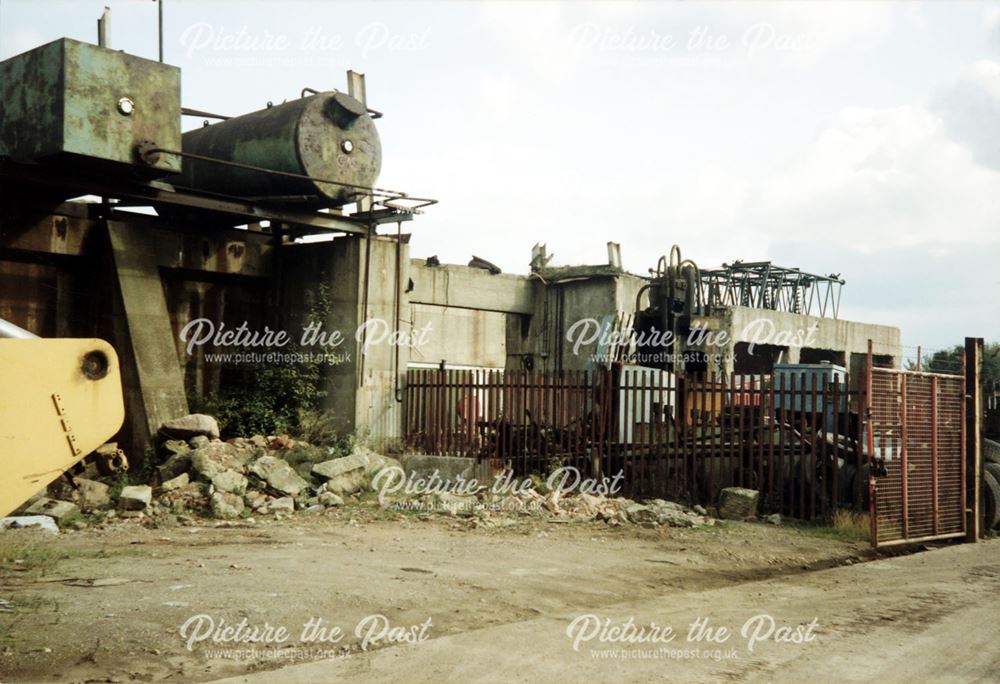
(272, 398)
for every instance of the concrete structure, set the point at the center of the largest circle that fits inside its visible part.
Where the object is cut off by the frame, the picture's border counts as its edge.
(68, 271)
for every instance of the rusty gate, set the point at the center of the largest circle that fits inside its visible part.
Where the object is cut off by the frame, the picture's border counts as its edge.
(916, 439)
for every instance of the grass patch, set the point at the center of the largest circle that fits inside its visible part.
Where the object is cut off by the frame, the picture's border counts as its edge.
(846, 525)
(31, 559)
(26, 558)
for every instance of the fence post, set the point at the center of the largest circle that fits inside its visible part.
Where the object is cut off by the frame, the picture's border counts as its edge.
(870, 441)
(972, 366)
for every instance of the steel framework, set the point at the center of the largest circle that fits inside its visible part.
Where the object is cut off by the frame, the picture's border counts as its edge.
(762, 285)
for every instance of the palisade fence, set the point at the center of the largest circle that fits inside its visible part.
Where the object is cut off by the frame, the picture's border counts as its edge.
(795, 438)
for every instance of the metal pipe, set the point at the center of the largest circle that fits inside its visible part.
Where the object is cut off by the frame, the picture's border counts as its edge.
(159, 7)
(10, 331)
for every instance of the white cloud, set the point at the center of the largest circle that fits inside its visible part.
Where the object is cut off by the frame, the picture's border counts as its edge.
(879, 178)
(971, 110)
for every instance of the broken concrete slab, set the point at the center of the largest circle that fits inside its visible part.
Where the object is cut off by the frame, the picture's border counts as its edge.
(674, 518)
(449, 468)
(58, 510)
(285, 504)
(343, 475)
(639, 514)
(216, 457)
(278, 475)
(330, 499)
(231, 482)
(185, 498)
(226, 505)
(335, 467)
(189, 426)
(91, 494)
(174, 466)
(135, 497)
(42, 522)
(176, 483)
(738, 503)
(175, 446)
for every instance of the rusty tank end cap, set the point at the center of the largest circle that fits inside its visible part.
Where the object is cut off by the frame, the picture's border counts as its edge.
(348, 104)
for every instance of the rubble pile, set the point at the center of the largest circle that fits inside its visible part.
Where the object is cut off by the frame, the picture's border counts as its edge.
(198, 474)
(258, 475)
(490, 509)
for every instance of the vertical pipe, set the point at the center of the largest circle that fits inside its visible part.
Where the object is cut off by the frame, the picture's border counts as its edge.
(159, 11)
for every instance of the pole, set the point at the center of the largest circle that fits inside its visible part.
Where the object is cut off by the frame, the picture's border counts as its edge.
(972, 367)
(159, 8)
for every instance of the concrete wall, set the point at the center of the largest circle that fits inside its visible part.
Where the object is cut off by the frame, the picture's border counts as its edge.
(792, 333)
(459, 337)
(364, 383)
(471, 288)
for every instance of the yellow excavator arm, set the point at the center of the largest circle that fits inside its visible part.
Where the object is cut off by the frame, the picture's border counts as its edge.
(60, 399)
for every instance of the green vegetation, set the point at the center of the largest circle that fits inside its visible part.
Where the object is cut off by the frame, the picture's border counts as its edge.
(846, 525)
(34, 559)
(950, 361)
(271, 398)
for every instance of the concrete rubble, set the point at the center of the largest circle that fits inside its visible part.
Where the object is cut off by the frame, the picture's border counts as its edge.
(276, 475)
(135, 497)
(738, 503)
(57, 510)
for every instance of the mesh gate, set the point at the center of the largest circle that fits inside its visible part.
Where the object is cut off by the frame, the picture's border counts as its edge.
(916, 439)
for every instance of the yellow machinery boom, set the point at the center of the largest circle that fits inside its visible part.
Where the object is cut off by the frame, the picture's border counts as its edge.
(60, 399)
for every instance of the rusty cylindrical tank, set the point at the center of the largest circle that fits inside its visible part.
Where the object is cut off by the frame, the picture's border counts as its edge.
(327, 135)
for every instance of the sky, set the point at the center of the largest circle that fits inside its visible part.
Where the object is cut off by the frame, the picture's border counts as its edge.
(853, 138)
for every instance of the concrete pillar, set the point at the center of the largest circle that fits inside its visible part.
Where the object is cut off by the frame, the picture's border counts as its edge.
(151, 371)
(364, 386)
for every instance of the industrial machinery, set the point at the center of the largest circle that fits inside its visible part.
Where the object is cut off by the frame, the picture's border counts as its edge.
(325, 136)
(61, 399)
(78, 106)
(674, 297)
(83, 119)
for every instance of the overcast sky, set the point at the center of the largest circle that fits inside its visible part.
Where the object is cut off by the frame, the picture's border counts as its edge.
(856, 138)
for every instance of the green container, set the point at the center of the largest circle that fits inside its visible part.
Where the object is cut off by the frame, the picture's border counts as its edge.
(74, 102)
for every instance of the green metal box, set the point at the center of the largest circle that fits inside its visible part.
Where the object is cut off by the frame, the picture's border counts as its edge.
(69, 100)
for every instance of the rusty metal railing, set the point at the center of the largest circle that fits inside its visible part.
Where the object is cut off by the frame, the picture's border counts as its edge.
(795, 438)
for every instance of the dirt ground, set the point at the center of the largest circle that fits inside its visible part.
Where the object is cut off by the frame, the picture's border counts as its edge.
(107, 604)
